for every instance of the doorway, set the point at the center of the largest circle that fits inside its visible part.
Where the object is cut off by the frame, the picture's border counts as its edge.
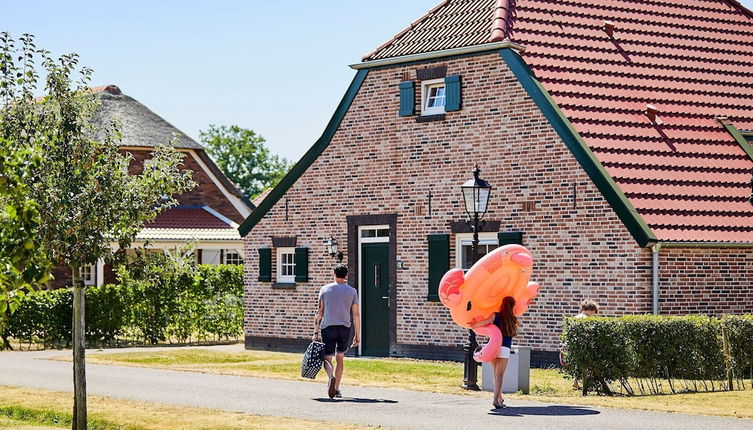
(374, 286)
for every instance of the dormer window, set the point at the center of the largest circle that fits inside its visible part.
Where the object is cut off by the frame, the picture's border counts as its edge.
(433, 97)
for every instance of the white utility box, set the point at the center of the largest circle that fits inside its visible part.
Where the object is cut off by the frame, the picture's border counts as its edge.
(517, 375)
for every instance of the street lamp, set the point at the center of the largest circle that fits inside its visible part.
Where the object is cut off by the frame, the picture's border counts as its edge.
(331, 246)
(476, 199)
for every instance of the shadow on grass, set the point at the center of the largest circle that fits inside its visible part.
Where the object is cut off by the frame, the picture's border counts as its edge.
(556, 410)
(353, 400)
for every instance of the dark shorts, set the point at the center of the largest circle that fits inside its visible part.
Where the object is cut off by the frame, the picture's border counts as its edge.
(335, 337)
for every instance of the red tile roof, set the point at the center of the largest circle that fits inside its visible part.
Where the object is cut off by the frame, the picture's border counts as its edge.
(691, 59)
(188, 217)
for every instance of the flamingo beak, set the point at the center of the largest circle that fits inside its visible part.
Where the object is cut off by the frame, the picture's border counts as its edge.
(522, 259)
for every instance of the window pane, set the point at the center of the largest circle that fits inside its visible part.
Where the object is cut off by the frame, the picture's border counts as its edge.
(467, 253)
(383, 233)
(233, 257)
(436, 97)
(368, 233)
(467, 257)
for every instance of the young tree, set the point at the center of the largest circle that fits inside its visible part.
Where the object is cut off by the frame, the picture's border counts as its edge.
(87, 200)
(242, 155)
(23, 264)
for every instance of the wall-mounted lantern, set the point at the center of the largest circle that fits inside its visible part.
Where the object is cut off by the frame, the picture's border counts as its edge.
(331, 247)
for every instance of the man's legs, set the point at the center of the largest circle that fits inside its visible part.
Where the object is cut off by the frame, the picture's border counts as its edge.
(340, 357)
(331, 380)
(328, 365)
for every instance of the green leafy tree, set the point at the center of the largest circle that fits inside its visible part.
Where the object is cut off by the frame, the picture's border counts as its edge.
(23, 265)
(244, 158)
(86, 199)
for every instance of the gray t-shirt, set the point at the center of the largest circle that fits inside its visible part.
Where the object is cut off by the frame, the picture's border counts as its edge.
(338, 300)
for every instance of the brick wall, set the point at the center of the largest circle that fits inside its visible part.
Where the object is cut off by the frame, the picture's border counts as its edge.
(380, 163)
(206, 192)
(709, 281)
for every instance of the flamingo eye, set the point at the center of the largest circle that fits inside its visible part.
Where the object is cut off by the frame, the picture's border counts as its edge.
(467, 308)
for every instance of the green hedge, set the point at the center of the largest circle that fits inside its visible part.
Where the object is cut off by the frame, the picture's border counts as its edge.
(687, 353)
(203, 304)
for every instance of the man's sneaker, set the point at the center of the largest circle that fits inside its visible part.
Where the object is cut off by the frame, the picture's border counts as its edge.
(331, 390)
(338, 394)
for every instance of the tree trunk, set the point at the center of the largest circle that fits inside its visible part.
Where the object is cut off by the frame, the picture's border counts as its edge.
(79, 350)
(727, 358)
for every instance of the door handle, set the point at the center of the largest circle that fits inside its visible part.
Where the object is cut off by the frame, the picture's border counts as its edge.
(386, 297)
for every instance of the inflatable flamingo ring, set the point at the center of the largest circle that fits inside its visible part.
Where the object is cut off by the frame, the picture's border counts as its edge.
(478, 294)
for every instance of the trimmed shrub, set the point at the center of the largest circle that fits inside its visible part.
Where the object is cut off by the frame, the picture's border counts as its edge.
(224, 279)
(740, 334)
(153, 304)
(684, 350)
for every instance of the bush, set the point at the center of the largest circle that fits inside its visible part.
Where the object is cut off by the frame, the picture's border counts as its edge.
(152, 303)
(740, 335)
(225, 279)
(652, 349)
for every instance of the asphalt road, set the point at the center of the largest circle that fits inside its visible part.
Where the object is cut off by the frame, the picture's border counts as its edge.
(388, 408)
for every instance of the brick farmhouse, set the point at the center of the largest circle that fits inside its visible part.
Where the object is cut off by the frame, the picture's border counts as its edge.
(207, 216)
(614, 132)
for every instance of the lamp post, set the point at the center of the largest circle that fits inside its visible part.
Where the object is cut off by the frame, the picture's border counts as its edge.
(331, 246)
(476, 200)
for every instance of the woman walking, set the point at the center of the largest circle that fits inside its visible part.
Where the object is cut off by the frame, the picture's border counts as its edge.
(508, 325)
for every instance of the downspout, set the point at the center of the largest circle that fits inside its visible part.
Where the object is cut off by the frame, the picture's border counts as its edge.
(655, 248)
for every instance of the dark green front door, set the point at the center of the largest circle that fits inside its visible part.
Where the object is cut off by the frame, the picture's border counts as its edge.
(375, 292)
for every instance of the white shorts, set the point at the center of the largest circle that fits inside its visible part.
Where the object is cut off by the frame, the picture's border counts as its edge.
(504, 352)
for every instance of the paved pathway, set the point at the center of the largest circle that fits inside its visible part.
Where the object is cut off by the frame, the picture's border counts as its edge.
(389, 408)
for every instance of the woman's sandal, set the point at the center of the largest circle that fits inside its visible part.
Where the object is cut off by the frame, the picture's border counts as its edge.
(499, 405)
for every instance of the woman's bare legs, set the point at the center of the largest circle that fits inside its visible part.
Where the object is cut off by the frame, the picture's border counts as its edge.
(499, 373)
(494, 373)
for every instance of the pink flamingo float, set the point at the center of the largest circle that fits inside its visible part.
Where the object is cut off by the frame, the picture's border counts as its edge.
(474, 296)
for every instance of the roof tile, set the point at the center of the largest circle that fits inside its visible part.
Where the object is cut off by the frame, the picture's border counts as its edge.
(188, 217)
(692, 59)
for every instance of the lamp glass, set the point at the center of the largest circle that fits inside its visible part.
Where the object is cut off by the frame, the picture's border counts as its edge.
(331, 245)
(476, 196)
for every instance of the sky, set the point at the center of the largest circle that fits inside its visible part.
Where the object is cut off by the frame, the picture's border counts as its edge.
(278, 67)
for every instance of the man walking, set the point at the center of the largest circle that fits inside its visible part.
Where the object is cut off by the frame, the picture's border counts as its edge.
(336, 302)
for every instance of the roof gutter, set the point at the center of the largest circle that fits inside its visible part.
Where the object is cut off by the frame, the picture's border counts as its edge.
(711, 245)
(655, 248)
(424, 56)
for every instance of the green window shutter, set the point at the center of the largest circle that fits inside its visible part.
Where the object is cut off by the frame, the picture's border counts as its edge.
(439, 262)
(265, 265)
(510, 237)
(407, 98)
(452, 93)
(301, 264)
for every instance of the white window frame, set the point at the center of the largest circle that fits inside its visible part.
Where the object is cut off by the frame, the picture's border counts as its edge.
(285, 279)
(233, 251)
(376, 238)
(489, 238)
(426, 86)
(91, 278)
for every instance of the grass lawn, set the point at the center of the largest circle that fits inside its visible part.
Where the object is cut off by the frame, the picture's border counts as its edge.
(441, 377)
(27, 409)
